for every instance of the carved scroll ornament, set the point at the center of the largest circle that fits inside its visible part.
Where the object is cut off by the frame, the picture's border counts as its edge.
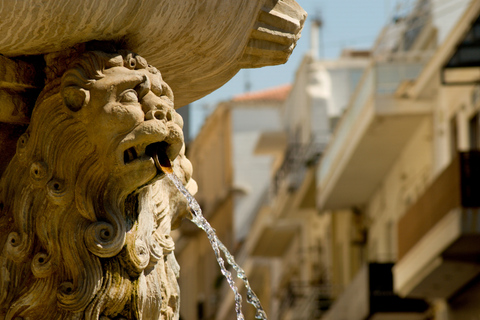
(84, 215)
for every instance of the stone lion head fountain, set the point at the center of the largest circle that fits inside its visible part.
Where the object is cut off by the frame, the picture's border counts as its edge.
(90, 231)
(85, 215)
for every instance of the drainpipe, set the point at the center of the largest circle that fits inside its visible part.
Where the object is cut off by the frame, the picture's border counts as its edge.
(315, 37)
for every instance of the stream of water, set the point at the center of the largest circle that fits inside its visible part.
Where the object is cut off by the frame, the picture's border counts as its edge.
(218, 247)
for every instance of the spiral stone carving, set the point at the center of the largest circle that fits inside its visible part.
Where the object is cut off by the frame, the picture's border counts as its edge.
(17, 247)
(21, 147)
(103, 240)
(156, 249)
(42, 265)
(82, 237)
(137, 255)
(38, 171)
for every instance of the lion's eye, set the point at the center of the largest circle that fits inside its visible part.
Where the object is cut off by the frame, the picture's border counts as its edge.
(129, 96)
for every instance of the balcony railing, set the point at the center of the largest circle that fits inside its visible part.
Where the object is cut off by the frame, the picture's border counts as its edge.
(380, 80)
(370, 295)
(292, 171)
(306, 302)
(457, 186)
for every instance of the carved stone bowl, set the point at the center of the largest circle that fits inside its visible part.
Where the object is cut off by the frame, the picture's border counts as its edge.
(198, 45)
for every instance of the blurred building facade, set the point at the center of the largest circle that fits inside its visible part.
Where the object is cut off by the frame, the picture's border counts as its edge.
(201, 279)
(356, 196)
(273, 151)
(400, 167)
(285, 235)
(232, 182)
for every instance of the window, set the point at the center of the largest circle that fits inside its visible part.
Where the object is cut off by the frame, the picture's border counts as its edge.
(200, 310)
(453, 136)
(474, 131)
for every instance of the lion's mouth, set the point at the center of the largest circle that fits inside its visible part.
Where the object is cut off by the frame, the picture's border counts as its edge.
(153, 150)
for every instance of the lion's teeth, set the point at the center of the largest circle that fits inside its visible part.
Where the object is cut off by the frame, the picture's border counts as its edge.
(129, 155)
(139, 151)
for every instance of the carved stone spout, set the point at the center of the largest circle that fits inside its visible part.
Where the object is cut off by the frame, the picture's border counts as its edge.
(85, 216)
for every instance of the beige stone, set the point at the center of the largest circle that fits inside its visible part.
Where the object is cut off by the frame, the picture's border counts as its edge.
(19, 86)
(199, 45)
(85, 216)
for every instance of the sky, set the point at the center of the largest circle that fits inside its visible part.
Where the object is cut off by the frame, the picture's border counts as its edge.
(346, 24)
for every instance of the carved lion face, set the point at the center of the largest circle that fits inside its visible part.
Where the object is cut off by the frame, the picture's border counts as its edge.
(85, 216)
(126, 111)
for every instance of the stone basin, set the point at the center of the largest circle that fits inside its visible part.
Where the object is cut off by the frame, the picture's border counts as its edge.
(198, 45)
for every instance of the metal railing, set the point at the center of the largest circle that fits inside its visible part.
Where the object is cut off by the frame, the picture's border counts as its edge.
(298, 158)
(381, 79)
(458, 185)
(305, 302)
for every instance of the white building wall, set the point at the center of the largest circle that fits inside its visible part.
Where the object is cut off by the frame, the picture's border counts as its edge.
(251, 173)
(446, 14)
(343, 82)
(320, 121)
(321, 93)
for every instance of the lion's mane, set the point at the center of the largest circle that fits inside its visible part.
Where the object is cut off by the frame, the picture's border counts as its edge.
(69, 240)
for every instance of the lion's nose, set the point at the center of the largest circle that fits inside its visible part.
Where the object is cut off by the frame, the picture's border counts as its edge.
(156, 108)
(159, 115)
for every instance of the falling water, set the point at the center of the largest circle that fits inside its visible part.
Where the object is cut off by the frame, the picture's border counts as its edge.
(218, 246)
(163, 164)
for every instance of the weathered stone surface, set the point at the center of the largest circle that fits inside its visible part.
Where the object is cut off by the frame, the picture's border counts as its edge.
(19, 87)
(199, 45)
(274, 35)
(84, 214)
(9, 134)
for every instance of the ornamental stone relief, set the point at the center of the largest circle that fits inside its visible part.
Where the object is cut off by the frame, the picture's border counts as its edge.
(85, 216)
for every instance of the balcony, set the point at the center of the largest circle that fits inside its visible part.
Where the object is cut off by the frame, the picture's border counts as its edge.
(370, 296)
(464, 66)
(304, 301)
(298, 157)
(274, 240)
(436, 255)
(377, 121)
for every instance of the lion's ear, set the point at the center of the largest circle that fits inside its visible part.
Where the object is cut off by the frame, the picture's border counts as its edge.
(75, 97)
